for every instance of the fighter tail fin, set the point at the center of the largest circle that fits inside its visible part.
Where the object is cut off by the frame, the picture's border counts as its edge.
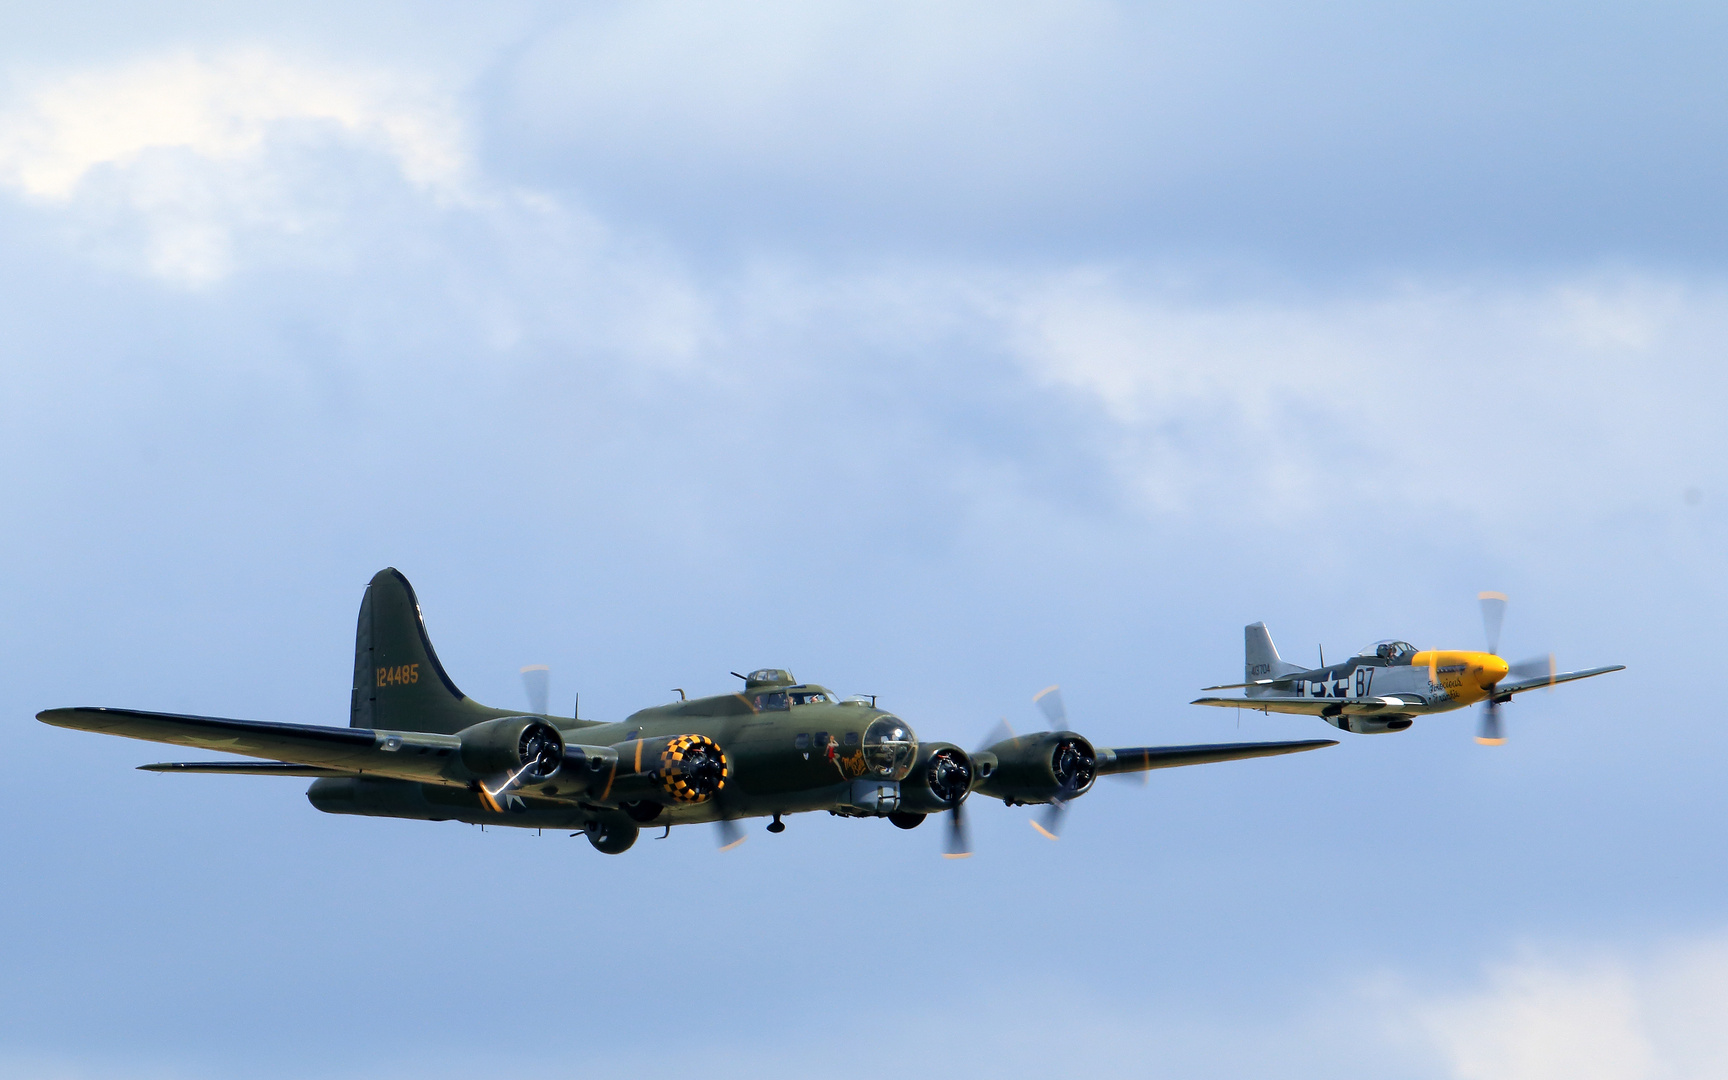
(1261, 659)
(399, 685)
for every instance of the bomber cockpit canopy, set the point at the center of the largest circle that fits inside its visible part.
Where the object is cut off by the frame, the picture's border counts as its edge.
(774, 696)
(1390, 650)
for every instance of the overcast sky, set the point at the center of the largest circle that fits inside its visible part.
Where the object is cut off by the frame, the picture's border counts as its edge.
(941, 353)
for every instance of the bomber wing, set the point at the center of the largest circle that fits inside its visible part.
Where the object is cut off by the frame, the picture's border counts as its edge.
(346, 750)
(247, 768)
(1310, 706)
(1127, 759)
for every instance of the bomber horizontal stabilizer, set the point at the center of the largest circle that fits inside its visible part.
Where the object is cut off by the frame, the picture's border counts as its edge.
(347, 750)
(246, 768)
(1129, 759)
(256, 738)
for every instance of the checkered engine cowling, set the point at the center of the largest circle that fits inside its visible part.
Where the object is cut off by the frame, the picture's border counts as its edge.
(692, 769)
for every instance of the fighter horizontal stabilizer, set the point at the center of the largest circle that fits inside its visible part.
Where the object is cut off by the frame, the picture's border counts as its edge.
(1131, 759)
(246, 768)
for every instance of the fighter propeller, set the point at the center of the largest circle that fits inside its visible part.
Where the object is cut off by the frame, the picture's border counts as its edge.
(1391, 684)
(1492, 731)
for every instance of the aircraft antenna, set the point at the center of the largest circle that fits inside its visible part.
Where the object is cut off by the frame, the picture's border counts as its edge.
(1322, 656)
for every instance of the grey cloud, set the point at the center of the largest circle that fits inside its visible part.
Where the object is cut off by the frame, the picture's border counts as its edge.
(1337, 135)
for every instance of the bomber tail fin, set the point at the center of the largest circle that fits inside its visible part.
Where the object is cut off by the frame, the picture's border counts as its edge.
(399, 685)
(1261, 659)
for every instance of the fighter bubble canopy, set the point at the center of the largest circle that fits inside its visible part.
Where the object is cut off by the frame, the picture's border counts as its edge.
(1388, 649)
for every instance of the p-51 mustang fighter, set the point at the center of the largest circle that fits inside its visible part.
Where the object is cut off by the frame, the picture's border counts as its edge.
(1385, 686)
(417, 747)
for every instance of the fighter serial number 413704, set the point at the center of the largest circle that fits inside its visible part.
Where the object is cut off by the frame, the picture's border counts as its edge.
(417, 747)
(1385, 686)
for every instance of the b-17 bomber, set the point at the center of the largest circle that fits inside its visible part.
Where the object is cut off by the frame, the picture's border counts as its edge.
(1387, 685)
(417, 747)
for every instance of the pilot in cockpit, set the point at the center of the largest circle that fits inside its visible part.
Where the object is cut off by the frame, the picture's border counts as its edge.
(1393, 651)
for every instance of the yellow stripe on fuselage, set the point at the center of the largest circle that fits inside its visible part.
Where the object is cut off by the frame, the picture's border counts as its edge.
(1465, 676)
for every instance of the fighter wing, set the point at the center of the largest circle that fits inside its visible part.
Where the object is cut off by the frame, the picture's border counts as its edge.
(1127, 759)
(345, 749)
(1309, 706)
(1507, 689)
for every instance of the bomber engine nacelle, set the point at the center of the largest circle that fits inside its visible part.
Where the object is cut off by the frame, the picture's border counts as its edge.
(643, 773)
(940, 778)
(524, 746)
(664, 771)
(1039, 768)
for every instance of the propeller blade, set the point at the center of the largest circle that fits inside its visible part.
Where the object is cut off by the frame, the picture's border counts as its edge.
(1492, 732)
(1002, 732)
(1535, 667)
(536, 679)
(959, 844)
(1049, 702)
(730, 834)
(1493, 614)
(1051, 826)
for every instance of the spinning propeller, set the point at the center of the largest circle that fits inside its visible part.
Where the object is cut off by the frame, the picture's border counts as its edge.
(730, 835)
(536, 679)
(950, 781)
(1493, 731)
(1073, 769)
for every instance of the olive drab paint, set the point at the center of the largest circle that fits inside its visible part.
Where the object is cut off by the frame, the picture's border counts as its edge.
(417, 747)
(399, 685)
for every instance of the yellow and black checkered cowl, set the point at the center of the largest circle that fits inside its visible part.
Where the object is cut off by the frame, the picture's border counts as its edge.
(692, 769)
